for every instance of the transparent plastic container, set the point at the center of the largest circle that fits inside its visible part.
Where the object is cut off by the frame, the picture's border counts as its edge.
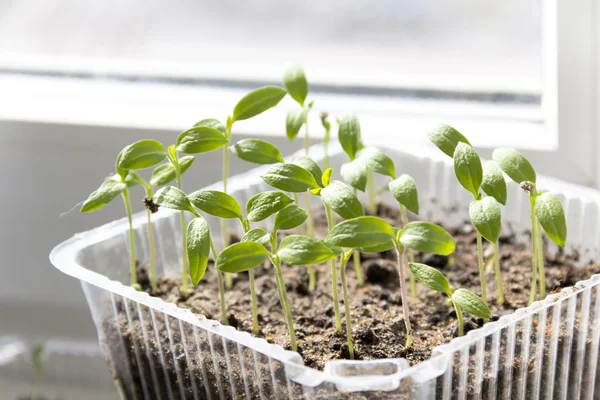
(549, 350)
(72, 370)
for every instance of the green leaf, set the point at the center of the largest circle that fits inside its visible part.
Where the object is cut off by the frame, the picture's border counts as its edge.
(486, 217)
(427, 237)
(378, 162)
(172, 197)
(131, 179)
(311, 166)
(349, 135)
(266, 204)
(212, 123)
(294, 121)
(216, 203)
(468, 169)
(549, 211)
(355, 174)
(390, 244)
(471, 303)
(446, 138)
(430, 278)
(142, 154)
(326, 177)
(257, 102)
(103, 195)
(493, 183)
(360, 232)
(514, 164)
(241, 257)
(289, 218)
(405, 192)
(341, 199)
(290, 178)
(165, 173)
(256, 235)
(304, 250)
(257, 151)
(198, 248)
(200, 139)
(295, 83)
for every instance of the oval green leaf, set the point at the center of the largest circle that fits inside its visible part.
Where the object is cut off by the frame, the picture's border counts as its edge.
(290, 178)
(265, 204)
(103, 195)
(326, 177)
(257, 151)
(142, 154)
(216, 203)
(165, 173)
(241, 257)
(311, 166)
(304, 250)
(430, 278)
(549, 211)
(212, 123)
(289, 218)
(256, 235)
(172, 197)
(295, 83)
(349, 135)
(198, 248)
(427, 237)
(493, 183)
(514, 164)
(360, 232)
(471, 303)
(389, 245)
(200, 139)
(446, 138)
(294, 121)
(341, 199)
(378, 162)
(405, 192)
(355, 174)
(257, 102)
(486, 217)
(468, 169)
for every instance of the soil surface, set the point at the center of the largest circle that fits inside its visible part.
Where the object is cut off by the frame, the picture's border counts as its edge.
(375, 307)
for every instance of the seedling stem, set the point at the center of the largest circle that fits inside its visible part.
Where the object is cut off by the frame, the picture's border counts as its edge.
(344, 260)
(336, 304)
(459, 317)
(411, 254)
(481, 266)
(498, 277)
(151, 243)
(540, 254)
(184, 268)
(224, 235)
(400, 257)
(534, 248)
(132, 260)
(282, 293)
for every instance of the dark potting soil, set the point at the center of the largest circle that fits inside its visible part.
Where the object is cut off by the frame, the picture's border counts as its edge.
(375, 307)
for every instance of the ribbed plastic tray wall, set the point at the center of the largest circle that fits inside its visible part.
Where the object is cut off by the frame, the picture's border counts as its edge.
(158, 351)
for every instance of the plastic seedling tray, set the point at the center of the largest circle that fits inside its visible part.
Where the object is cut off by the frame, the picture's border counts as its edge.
(72, 370)
(548, 350)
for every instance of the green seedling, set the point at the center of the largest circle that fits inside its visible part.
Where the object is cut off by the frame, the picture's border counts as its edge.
(199, 244)
(372, 234)
(546, 212)
(462, 299)
(293, 249)
(485, 212)
(37, 354)
(327, 125)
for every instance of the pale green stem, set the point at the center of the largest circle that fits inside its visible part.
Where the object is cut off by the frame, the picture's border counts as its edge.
(346, 305)
(400, 257)
(152, 251)
(224, 232)
(224, 319)
(357, 271)
(312, 277)
(372, 196)
(334, 291)
(325, 149)
(306, 136)
(184, 267)
(540, 254)
(132, 261)
(481, 267)
(459, 317)
(282, 293)
(246, 228)
(498, 275)
(533, 251)
(37, 381)
(411, 254)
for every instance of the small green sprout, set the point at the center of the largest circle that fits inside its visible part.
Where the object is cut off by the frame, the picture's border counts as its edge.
(327, 125)
(462, 299)
(485, 212)
(546, 212)
(37, 359)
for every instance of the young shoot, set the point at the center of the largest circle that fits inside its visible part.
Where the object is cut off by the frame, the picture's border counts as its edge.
(37, 354)
(199, 244)
(546, 212)
(327, 125)
(293, 249)
(485, 212)
(462, 299)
